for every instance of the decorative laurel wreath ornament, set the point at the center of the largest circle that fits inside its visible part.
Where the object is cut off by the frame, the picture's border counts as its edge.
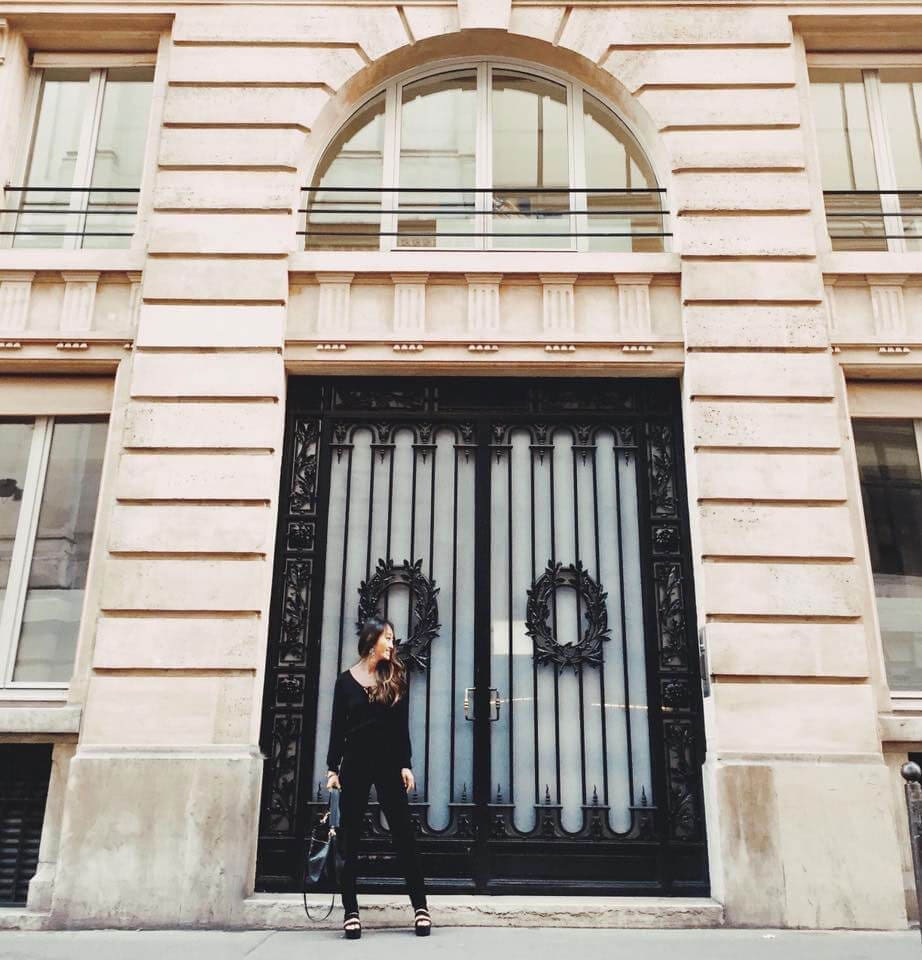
(413, 652)
(548, 649)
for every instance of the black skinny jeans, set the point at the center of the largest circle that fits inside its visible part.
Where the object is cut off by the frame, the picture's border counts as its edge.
(356, 777)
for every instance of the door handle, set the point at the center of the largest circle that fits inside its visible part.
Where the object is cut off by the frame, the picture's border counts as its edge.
(495, 702)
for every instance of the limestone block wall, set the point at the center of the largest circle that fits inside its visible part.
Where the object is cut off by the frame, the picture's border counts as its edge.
(800, 807)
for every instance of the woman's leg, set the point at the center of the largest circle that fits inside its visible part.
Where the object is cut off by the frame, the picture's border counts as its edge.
(356, 782)
(393, 798)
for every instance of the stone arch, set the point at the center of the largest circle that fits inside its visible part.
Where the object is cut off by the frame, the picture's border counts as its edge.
(480, 43)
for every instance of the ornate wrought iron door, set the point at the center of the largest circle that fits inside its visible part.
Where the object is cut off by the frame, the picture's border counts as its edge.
(528, 539)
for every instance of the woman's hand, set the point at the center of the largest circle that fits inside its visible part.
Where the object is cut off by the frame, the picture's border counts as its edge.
(333, 780)
(406, 774)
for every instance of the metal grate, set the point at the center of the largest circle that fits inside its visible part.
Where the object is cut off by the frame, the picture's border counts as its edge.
(25, 770)
(93, 214)
(549, 217)
(868, 219)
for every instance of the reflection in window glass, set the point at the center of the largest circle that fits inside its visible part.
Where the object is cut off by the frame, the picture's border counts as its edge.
(119, 157)
(614, 161)
(355, 159)
(438, 132)
(15, 441)
(901, 101)
(843, 133)
(60, 558)
(530, 154)
(891, 489)
(62, 108)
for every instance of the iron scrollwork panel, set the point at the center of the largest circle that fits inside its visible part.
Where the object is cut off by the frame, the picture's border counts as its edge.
(287, 678)
(675, 660)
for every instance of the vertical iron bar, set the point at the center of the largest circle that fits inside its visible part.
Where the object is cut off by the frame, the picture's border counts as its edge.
(624, 654)
(454, 626)
(598, 573)
(511, 695)
(534, 664)
(579, 621)
(431, 570)
(912, 775)
(551, 452)
(371, 502)
(342, 587)
(390, 506)
(482, 616)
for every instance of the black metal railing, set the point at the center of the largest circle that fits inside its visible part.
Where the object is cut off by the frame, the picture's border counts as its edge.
(89, 216)
(344, 217)
(870, 219)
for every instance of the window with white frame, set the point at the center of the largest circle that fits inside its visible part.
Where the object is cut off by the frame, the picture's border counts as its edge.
(888, 453)
(81, 176)
(50, 472)
(484, 155)
(869, 136)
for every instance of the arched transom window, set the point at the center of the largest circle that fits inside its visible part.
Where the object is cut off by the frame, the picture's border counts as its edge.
(487, 156)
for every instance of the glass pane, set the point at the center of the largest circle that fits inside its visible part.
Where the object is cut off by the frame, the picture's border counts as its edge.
(438, 132)
(57, 577)
(530, 155)
(616, 165)
(891, 488)
(15, 440)
(354, 166)
(901, 101)
(119, 159)
(52, 163)
(843, 135)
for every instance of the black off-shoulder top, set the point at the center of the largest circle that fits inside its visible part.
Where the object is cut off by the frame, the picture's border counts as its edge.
(368, 729)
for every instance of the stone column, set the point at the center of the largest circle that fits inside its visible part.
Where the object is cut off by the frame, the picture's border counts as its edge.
(162, 803)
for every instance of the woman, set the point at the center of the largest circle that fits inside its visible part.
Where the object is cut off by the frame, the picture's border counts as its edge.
(370, 744)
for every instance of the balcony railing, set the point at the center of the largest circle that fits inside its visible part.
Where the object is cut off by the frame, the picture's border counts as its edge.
(56, 217)
(874, 219)
(373, 218)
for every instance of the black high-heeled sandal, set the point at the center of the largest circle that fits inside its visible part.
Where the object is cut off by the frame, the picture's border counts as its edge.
(422, 922)
(352, 926)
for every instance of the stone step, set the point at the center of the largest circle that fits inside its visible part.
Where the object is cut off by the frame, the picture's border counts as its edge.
(19, 918)
(277, 911)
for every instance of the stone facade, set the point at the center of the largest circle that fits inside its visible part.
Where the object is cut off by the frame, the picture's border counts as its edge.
(153, 809)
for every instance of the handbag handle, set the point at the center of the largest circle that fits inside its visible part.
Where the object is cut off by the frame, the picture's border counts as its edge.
(332, 816)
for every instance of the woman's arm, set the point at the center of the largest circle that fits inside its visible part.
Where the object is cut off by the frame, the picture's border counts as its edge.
(337, 729)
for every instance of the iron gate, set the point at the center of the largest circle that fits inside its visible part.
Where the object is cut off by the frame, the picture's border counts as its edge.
(529, 540)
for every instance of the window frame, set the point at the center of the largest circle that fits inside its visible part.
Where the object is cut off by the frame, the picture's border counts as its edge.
(98, 66)
(12, 608)
(820, 68)
(484, 67)
(901, 699)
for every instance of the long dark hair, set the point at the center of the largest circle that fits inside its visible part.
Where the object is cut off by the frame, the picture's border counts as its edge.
(390, 675)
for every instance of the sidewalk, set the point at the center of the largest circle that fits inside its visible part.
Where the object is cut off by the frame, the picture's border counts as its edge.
(462, 943)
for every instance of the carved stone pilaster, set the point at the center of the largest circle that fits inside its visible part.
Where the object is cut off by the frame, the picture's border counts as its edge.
(483, 302)
(134, 299)
(79, 297)
(333, 309)
(15, 293)
(634, 319)
(832, 318)
(409, 303)
(887, 306)
(559, 314)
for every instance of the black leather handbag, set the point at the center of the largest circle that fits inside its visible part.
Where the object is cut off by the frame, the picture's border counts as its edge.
(324, 860)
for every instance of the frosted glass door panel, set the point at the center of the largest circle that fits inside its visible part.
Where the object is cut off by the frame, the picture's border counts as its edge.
(574, 736)
(399, 495)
